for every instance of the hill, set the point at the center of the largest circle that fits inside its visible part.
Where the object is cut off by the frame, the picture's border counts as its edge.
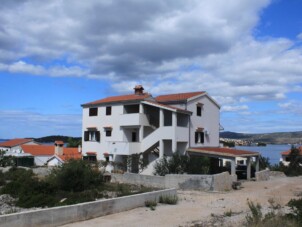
(272, 138)
(51, 139)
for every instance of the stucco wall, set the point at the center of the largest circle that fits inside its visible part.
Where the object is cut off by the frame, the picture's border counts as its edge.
(80, 212)
(217, 182)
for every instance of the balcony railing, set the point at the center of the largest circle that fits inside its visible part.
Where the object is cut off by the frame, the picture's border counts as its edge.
(124, 148)
(134, 119)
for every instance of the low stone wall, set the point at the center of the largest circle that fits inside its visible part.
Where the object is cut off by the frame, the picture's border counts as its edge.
(277, 174)
(262, 175)
(217, 182)
(67, 214)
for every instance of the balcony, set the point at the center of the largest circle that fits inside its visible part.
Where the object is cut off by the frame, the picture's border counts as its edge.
(124, 148)
(133, 119)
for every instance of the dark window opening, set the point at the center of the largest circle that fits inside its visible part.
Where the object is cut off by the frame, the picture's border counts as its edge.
(92, 136)
(198, 110)
(133, 136)
(199, 137)
(108, 110)
(108, 133)
(107, 158)
(93, 112)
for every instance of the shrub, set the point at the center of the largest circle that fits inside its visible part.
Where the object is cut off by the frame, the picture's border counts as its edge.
(151, 204)
(296, 208)
(179, 164)
(75, 176)
(168, 199)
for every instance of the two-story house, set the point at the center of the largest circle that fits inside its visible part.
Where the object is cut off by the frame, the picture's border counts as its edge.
(118, 126)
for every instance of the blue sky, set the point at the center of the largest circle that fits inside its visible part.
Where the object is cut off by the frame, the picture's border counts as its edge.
(57, 55)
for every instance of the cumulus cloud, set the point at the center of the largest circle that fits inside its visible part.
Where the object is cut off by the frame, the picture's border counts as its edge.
(168, 46)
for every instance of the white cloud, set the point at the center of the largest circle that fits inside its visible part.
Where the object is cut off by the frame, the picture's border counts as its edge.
(235, 108)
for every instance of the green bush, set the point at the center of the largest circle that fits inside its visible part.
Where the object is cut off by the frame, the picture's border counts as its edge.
(168, 199)
(2, 179)
(75, 176)
(151, 204)
(179, 164)
(296, 210)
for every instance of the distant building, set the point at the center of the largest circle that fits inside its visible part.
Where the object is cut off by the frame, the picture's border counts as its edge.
(51, 155)
(285, 156)
(14, 145)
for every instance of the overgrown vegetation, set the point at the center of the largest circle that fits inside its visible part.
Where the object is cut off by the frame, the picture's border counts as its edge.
(179, 164)
(73, 182)
(275, 217)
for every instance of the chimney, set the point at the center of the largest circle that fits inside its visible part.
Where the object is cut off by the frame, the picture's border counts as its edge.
(138, 90)
(59, 147)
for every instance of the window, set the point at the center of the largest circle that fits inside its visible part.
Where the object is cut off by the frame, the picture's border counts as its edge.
(198, 110)
(93, 112)
(108, 110)
(92, 136)
(199, 137)
(108, 133)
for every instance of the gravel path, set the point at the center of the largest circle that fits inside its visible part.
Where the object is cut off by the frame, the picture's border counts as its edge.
(197, 207)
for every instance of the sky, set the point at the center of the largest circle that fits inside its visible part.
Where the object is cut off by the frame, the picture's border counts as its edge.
(56, 55)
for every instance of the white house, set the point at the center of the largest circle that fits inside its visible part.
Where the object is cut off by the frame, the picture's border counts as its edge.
(13, 146)
(118, 126)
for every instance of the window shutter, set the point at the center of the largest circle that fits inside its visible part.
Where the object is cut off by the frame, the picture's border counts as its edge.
(86, 136)
(98, 136)
(196, 137)
(202, 137)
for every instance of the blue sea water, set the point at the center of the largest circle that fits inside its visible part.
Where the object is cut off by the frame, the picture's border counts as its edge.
(271, 151)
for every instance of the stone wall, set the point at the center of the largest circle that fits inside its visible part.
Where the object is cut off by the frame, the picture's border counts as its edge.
(263, 175)
(217, 182)
(67, 214)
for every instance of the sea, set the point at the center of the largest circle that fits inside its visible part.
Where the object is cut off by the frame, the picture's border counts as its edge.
(271, 151)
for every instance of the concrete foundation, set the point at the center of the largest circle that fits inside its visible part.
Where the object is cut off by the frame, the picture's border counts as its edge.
(263, 175)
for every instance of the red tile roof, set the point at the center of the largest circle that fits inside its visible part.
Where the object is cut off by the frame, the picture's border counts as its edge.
(37, 150)
(177, 97)
(288, 152)
(70, 153)
(120, 98)
(41, 150)
(15, 142)
(222, 151)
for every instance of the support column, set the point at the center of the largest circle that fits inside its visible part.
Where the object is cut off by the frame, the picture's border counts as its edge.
(141, 133)
(174, 146)
(174, 119)
(248, 168)
(233, 166)
(161, 118)
(257, 163)
(141, 108)
(161, 148)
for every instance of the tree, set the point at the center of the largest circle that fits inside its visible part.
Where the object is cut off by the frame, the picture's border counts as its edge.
(72, 142)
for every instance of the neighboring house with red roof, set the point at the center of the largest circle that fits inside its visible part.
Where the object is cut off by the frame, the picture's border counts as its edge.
(51, 154)
(118, 126)
(285, 156)
(14, 145)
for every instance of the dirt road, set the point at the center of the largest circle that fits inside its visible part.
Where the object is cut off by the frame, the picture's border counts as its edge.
(197, 207)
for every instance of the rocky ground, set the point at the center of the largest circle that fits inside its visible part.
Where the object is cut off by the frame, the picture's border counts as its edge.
(197, 208)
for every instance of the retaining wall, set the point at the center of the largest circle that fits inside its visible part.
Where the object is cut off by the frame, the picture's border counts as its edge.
(216, 182)
(80, 212)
